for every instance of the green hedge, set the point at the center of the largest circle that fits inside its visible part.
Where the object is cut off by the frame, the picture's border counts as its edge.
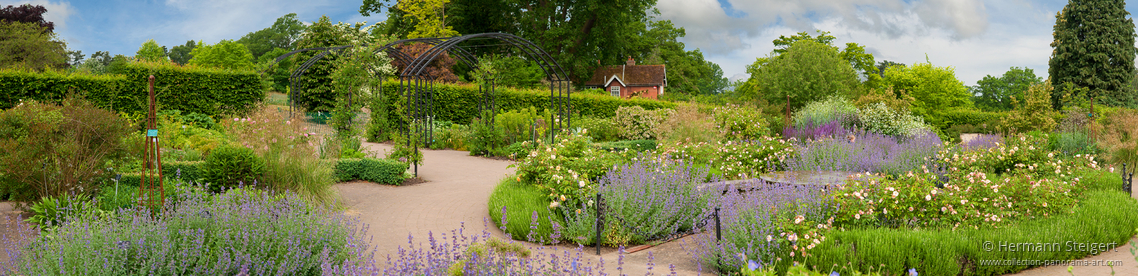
(190, 171)
(459, 103)
(383, 171)
(189, 89)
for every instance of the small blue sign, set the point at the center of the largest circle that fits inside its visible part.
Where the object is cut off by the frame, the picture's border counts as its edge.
(151, 133)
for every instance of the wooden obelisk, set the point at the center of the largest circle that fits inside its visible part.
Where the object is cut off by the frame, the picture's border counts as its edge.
(150, 193)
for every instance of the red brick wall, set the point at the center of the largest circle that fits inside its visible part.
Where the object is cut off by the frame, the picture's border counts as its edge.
(650, 92)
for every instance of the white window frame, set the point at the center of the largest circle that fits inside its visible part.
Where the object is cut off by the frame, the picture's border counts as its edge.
(614, 91)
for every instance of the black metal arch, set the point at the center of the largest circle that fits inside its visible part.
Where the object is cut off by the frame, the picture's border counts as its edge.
(420, 97)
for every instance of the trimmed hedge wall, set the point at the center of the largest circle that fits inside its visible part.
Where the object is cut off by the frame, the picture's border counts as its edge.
(972, 117)
(383, 171)
(189, 89)
(459, 103)
(190, 171)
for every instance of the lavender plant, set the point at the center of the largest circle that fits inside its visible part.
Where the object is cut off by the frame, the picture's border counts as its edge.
(653, 198)
(984, 142)
(773, 222)
(242, 231)
(868, 152)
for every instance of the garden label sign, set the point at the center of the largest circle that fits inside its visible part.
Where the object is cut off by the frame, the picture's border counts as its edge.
(150, 192)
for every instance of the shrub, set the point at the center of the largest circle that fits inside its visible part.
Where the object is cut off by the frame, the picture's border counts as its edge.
(599, 129)
(485, 137)
(383, 171)
(190, 171)
(734, 159)
(50, 150)
(453, 137)
(686, 125)
(512, 203)
(879, 118)
(229, 167)
(241, 231)
(823, 112)
(984, 142)
(559, 169)
(1072, 143)
(1119, 136)
(288, 151)
(741, 123)
(654, 199)
(810, 132)
(635, 122)
(53, 211)
(299, 171)
(1031, 112)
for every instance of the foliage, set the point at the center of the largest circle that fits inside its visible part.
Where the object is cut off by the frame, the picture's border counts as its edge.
(854, 53)
(934, 88)
(189, 89)
(741, 122)
(459, 103)
(653, 199)
(439, 69)
(50, 150)
(1092, 50)
(241, 231)
(315, 90)
(733, 159)
(1119, 136)
(485, 138)
(229, 167)
(188, 171)
(96, 64)
(994, 93)
(226, 54)
(357, 72)
(151, 52)
(515, 71)
(1102, 217)
(181, 54)
(636, 123)
(28, 45)
(832, 109)
(27, 13)
(513, 201)
(686, 125)
(288, 151)
(567, 169)
(1032, 112)
(1072, 143)
(430, 18)
(53, 211)
(599, 129)
(808, 71)
(878, 118)
(383, 171)
(408, 149)
(688, 73)
(282, 35)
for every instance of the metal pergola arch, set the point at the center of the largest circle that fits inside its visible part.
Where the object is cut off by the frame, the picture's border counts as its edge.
(421, 96)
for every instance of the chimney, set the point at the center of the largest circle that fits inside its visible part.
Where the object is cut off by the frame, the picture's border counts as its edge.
(630, 61)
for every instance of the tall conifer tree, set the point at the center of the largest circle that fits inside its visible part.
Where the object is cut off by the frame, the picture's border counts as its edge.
(1094, 48)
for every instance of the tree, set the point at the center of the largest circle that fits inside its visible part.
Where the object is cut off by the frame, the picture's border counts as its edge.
(431, 18)
(806, 71)
(854, 53)
(934, 88)
(283, 34)
(994, 93)
(226, 54)
(181, 54)
(687, 71)
(1094, 48)
(314, 90)
(150, 51)
(27, 13)
(886, 64)
(28, 45)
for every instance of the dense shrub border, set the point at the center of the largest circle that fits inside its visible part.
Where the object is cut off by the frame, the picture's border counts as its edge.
(1103, 216)
(459, 103)
(383, 171)
(189, 89)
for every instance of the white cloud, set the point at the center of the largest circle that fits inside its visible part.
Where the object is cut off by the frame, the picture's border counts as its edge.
(57, 12)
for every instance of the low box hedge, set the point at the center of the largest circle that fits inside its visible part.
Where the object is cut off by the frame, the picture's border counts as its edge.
(383, 171)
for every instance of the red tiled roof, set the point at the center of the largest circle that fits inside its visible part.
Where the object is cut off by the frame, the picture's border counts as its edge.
(631, 75)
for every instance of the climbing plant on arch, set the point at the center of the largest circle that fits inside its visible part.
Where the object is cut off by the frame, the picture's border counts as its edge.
(418, 87)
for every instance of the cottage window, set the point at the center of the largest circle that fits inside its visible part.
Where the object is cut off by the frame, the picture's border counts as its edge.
(615, 91)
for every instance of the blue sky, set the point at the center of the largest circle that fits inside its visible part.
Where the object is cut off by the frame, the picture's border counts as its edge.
(975, 37)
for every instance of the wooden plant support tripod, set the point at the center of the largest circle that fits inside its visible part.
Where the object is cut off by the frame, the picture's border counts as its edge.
(150, 193)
